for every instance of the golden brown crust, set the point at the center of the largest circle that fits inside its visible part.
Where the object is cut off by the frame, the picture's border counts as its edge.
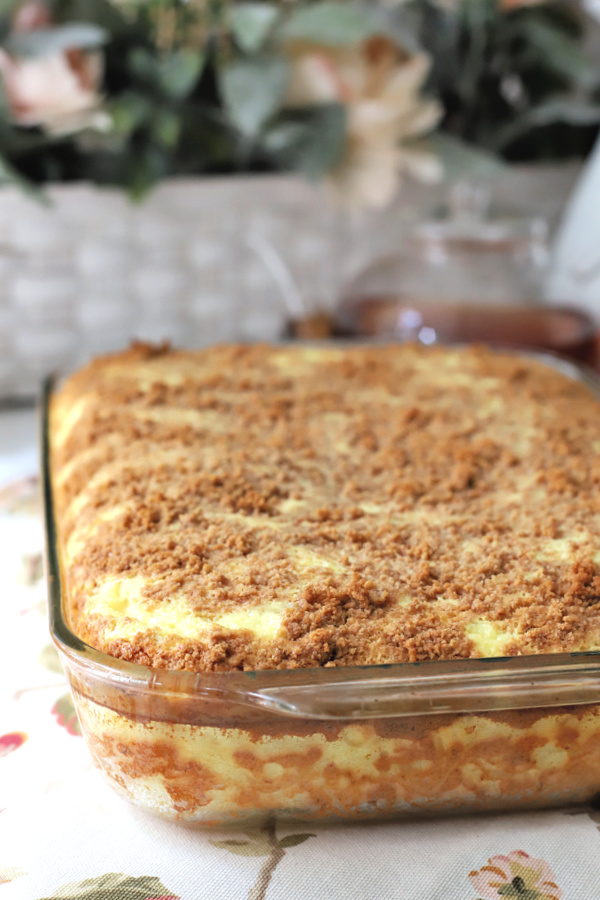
(389, 497)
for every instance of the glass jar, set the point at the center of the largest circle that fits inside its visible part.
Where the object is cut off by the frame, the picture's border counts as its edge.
(466, 279)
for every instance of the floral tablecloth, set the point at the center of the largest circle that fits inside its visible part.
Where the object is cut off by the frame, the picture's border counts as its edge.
(64, 834)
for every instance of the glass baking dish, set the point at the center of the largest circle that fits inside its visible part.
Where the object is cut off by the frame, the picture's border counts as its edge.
(335, 743)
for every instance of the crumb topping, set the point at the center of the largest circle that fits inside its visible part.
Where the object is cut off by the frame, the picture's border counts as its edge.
(252, 507)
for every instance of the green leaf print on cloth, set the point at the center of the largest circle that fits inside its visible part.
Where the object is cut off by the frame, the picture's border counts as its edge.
(114, 886)
(517, 876)
(263, 842)
(50, 659)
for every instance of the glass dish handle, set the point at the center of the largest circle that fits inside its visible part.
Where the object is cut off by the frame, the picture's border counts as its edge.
(390, 697)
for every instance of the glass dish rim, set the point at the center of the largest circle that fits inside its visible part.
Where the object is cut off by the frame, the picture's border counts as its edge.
(344, 692)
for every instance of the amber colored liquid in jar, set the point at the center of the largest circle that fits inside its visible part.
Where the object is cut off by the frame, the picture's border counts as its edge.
(563, 330)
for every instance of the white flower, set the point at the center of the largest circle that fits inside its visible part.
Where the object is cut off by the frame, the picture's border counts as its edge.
(381, 89)
(57, 92)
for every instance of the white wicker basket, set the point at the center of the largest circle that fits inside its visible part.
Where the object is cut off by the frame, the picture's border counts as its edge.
(91, 271)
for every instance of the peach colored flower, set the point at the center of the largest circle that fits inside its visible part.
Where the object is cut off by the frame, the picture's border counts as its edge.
(528, 878)
(381, 88)
(508, 5)
(52, 91)
(57, 90)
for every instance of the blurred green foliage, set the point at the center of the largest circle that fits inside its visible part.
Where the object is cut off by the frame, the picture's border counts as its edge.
(198, 86)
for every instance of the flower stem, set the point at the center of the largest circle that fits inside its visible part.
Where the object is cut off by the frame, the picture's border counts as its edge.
(258, 891)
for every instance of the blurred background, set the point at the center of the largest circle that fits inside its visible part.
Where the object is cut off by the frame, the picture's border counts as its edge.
(209, 170)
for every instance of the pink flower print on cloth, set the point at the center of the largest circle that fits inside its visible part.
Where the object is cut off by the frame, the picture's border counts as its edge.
(64, 710)
(518, 876)
(11, 742)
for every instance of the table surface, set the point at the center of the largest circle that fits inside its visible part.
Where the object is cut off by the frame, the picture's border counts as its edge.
(64, 834)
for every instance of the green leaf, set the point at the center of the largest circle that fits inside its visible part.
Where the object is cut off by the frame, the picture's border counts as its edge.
(175, 76)
(252, 91)
(293, 840)
(333, 23)
(145, 168)
(519, 891)
(478, 18)
(283, 137)
(166, 127)
(559, 51)
(461, 159)
(245, 848)
(567, 110)
(178, 74)
(129, 111)
(311, 141)
(50, 41)
(563, 110)
(143, 64)
(113, 886)
(50, 659)
(8, 6)
(478, 13)
(251, 24)
(231, 843)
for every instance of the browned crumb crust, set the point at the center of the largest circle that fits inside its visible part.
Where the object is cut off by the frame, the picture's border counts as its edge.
(432, 488)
